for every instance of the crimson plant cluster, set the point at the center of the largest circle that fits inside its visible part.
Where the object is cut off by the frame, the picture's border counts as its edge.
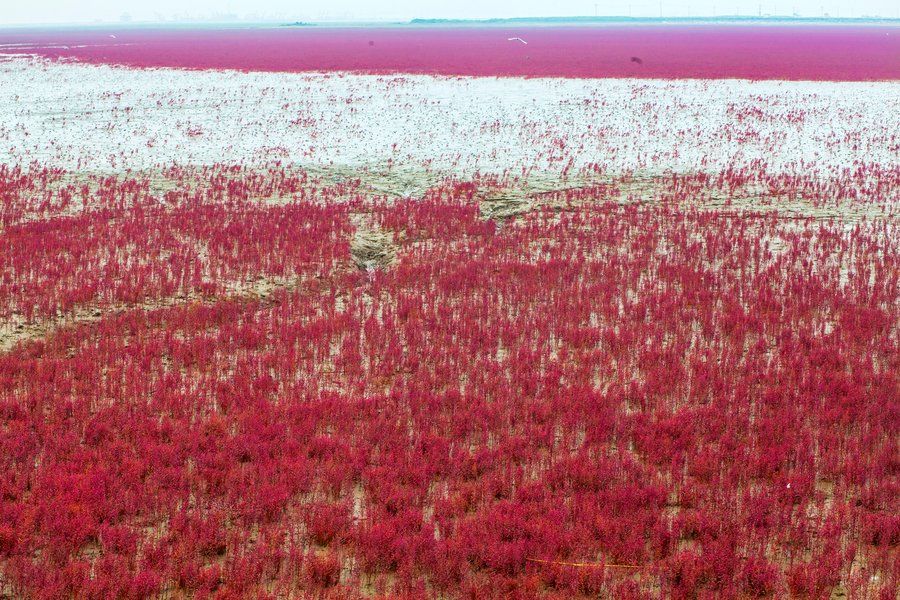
(602, 396)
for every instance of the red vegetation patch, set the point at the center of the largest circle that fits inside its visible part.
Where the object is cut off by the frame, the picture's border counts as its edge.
(832, 53)
(680, 401)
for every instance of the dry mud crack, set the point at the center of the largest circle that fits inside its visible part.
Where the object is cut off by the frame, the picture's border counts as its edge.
(372, 249)
(17, 330)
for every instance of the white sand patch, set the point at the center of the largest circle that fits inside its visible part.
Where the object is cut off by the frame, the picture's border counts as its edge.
(101, 117)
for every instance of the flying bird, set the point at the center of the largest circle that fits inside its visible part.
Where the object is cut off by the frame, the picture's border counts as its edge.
(636, 59)
(112, 36)
(516, 39)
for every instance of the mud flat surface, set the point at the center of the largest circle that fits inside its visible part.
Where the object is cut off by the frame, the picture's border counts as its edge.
(99, 117)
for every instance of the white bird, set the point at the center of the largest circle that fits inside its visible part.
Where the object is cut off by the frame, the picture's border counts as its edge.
(112, 36)
(516, 39)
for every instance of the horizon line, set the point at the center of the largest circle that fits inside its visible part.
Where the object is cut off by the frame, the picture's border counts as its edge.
(234, 21)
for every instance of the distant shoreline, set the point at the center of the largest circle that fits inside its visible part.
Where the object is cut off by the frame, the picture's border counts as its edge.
(477, 23)
(723, 20)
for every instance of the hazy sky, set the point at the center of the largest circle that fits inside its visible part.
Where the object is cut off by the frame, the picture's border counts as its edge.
(19, 12)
